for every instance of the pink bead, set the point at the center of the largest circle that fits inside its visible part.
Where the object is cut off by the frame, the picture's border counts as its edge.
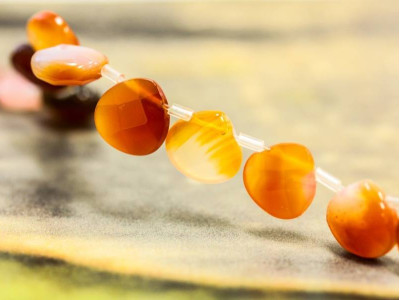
(18, 94)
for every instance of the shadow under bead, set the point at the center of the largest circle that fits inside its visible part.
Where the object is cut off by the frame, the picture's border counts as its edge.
(73, 106)
(21, 61)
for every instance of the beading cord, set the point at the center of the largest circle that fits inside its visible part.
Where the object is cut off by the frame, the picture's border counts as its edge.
(133, 116)
(246, 141)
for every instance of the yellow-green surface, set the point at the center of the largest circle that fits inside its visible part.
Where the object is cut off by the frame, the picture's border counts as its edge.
(324, 74)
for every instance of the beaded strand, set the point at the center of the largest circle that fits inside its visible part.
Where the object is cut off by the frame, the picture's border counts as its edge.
(133, 116)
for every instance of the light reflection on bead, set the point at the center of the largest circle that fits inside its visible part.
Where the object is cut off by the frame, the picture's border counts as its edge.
(362, 221)
(68, 65)
(204, 148)
(281, 180)
(47, 29)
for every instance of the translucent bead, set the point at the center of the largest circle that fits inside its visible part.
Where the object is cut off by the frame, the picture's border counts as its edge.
(361, 220)
(131, 116)
(68, 65)
(47, 29)
(281, 180)
(204, 148)
(396, 232)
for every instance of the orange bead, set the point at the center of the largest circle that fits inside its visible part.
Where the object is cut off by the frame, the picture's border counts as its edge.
(68, 65)
(361, 220)
(131, 116)
(396, 232)
(281, 180)
(204, 148)
(47, 29)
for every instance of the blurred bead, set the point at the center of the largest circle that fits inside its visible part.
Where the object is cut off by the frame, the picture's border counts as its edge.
(18, 94)
(396, 232)
(47, 29)
(73, 106)
(68, 65)
(21, 60)
(131, 116)
(361, 220)
(281, 180)
(204, 148)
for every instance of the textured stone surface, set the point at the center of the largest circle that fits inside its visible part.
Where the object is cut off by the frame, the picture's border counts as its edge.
(322, 74)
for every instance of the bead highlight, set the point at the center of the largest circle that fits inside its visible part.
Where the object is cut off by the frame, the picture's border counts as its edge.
(281, 180)
(204, 148)
(131, 116)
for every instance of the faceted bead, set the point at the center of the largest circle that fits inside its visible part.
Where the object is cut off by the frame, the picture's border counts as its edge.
(131, 116)
(281, 180)
(204, 148)
(47, 29)
(361, 220)
(71, 107)
(21, 60)
(68, 65)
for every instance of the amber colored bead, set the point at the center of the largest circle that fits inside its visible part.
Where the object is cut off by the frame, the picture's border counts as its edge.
(281, 180)
(361, 220)
(68, 65)
(47, 29)
(396, 232)
(21, 61)
(204, 148)
(131, 116)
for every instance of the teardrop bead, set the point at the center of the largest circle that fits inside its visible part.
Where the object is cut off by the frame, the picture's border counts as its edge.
(362, 221)
(47, 29)
(68, 65)
(281, 180)
(131, 116)
(204, 148)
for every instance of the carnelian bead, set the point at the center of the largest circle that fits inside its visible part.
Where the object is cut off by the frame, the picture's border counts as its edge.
(131, 116)
(281, 180)
(47, 29)
(361, 220)
(68, 65)
(204, 148)
(396, 232)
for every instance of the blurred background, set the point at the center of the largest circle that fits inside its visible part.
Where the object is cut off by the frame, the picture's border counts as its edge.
(320, 73)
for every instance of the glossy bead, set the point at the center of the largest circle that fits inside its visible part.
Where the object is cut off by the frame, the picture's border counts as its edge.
(21, 61)
(131, 116)
(68, 65)
(396, 232)
(361, 220)
(47, 29)
(204, 148)
(281, 180)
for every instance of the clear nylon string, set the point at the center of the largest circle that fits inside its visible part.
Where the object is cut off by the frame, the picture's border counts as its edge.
(246, 141)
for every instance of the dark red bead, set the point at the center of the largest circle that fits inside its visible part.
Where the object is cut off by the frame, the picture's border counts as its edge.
(21, 61)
